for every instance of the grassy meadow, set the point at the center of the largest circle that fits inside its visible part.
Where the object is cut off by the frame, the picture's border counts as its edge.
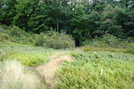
(98, 70)
(90, 68)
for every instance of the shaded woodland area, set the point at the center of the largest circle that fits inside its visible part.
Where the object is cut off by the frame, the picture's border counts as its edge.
(82, 19)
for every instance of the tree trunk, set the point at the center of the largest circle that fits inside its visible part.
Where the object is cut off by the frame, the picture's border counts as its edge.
(57, 25)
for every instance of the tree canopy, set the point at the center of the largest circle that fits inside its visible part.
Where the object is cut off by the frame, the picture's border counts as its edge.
(83, 19)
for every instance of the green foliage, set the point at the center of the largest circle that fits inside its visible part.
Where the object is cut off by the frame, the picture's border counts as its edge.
(39, 20)
(2, 56)
(51, 39)
(27, 55)
(77, 25)
(110, 41)
(29, 59)
(92, 48)
(108, 22)
(7, 11)
(15, 34)
(39, 41)
(4, 36)
(82, 20)
(54, 40)
(113, 70)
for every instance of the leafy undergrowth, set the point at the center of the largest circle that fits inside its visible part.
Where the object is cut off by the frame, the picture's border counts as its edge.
(98, 70)
(92, 48)
(50, 39)
(26, 54)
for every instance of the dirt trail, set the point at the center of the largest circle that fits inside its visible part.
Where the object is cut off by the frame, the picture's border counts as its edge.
(48, 70)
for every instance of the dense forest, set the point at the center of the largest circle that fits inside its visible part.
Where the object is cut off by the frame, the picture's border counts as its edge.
(82, 19)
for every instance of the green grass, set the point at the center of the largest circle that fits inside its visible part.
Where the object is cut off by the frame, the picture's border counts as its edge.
(92, 48)
(98, 70)
(92, 68)
(27, 54)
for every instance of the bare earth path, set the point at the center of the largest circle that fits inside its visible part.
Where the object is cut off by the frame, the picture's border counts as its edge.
(47, 71)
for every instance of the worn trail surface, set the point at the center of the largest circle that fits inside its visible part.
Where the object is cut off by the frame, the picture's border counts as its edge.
(47, 71)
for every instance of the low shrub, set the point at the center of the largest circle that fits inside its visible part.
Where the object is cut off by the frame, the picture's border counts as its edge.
(54, 40)
(29, 59)
(92, 48)
(15, 34)
(110, 41)
(130, 51)
(39, 39)
(3, 27)
(4, 36)
(50, 39)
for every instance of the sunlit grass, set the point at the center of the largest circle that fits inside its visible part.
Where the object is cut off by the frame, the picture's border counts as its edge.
(26, 54)
(30, 60)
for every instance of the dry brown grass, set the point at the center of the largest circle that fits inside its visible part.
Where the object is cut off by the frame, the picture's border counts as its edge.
(16, 76)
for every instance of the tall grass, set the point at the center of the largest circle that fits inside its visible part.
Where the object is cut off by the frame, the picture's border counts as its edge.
(13, 75)
(98, 70)
(26, 54)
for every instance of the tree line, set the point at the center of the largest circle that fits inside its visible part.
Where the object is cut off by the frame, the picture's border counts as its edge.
(83, 19)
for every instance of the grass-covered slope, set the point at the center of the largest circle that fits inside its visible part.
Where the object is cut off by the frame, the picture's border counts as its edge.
(92, 67)
(88, 70)
(98, 70)
(26, 54)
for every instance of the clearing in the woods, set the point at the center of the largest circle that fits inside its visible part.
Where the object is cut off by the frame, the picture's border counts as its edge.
(28, 67)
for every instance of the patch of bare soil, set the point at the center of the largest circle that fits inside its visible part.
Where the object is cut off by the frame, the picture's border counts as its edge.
(47, 71)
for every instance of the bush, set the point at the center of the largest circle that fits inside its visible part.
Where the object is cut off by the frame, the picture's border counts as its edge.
(32, 60)
(111, 41)
(39, 41)
(50, 39)
(106, 41)
(4, 36)
(54, 40)
(15, 31)
(29, 59)
(15, 34)
(3, 27)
